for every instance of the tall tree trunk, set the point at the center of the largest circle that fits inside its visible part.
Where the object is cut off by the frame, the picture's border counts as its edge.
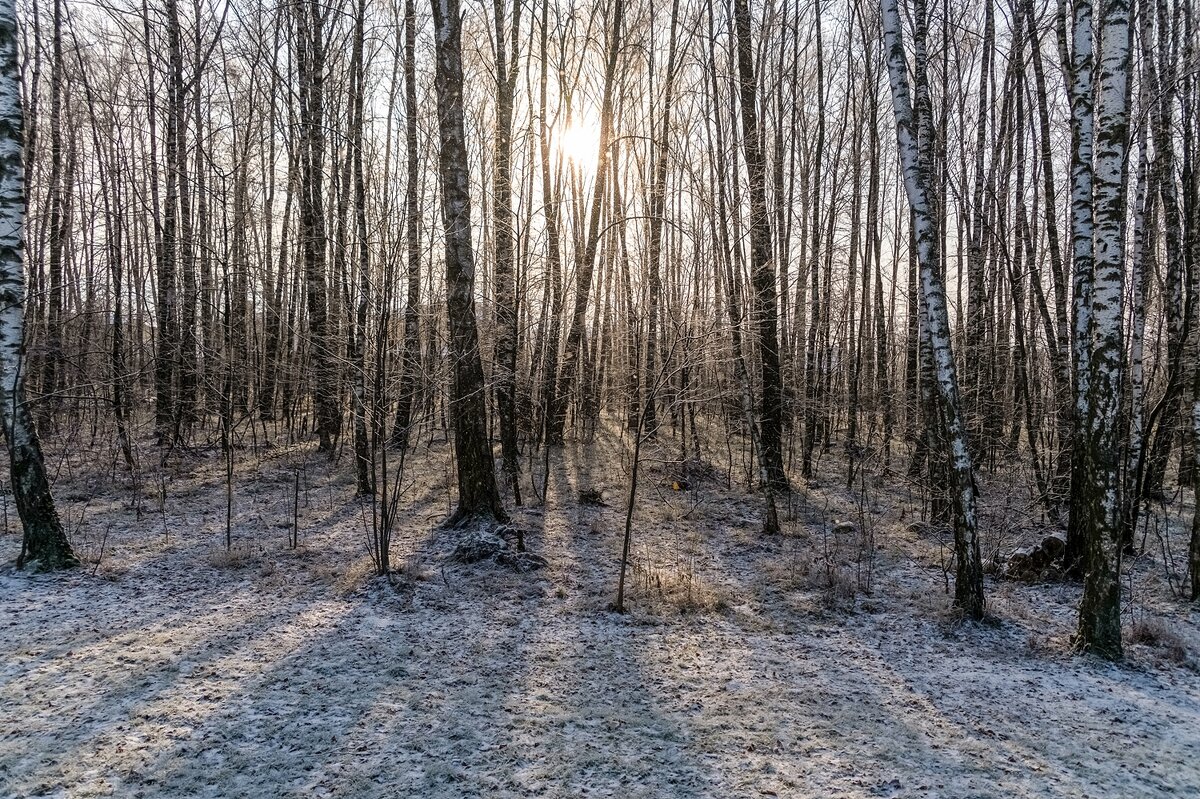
(478, 497)
(507, 61)
(310, 39)
(812, 357)
(968, 588)
(364, 464)
(1194, 547)
(975, 377)
(762, 270)
(59, 229)
(166, 367)
(1077, 63)
(1166, 417)
(659, 149)
(1058, 333)
(411, 365)
(44, 546)
(554, 281)
(186, 390)
(1100, 505)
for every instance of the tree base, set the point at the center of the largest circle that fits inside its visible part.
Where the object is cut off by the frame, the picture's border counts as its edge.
(501, 544)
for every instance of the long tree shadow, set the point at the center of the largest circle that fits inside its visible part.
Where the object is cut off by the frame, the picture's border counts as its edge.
(69, 705)
(585, 717)
(809, 704)
(476, 681)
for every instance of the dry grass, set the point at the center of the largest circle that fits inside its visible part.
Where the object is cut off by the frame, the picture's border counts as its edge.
(1162, 637)
(837, 568)
(675, 587)
(236, 557)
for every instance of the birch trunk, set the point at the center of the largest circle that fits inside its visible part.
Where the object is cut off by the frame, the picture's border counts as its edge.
(1100, 608)
(968, 589)
(507, 61)
(1078, 67)
(44, 546)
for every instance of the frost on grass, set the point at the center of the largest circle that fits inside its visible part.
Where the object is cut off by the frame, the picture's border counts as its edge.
(299, 675)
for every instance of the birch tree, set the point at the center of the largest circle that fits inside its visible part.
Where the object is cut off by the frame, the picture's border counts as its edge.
(44, 546)
(968, 587)
(507, 61)
(1100, 505)
(1077, 62)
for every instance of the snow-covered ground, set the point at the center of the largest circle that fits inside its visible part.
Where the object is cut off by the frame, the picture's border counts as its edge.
(746, 667)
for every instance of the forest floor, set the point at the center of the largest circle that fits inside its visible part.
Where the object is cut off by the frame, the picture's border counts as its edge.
(812, 664)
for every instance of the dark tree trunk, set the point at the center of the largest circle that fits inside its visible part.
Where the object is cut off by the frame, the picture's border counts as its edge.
(311, 70)
(478, 497)
(762, 270)
(507, 60)
(411, 363)
(364, 464)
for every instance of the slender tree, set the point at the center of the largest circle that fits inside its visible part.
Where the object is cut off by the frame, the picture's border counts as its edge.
(411, 357)
(310, 49)
(762, 270)
(912, 135)
(1078, 63)
(507, 63)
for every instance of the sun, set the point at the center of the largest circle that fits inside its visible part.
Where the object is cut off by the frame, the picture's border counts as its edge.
(579, 142)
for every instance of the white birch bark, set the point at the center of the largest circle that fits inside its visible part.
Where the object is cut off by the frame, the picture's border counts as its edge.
(1100, 610)
(969, 571)
(45, 544)
(1078, 65)
(1194, 547)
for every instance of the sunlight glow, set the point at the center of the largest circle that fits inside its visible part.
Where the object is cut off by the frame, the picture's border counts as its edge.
(578, 142)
